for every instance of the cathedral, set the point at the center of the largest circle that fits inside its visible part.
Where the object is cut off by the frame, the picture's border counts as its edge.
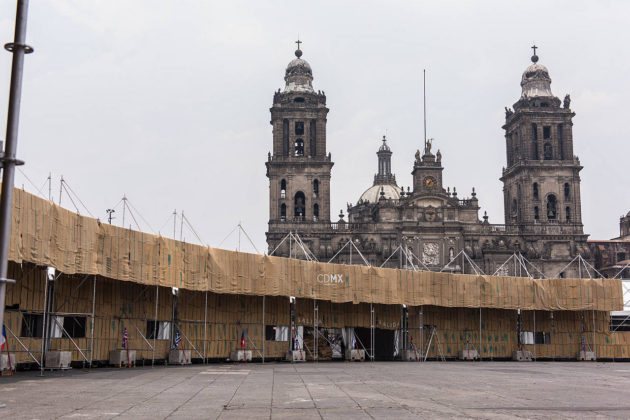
(429, 227)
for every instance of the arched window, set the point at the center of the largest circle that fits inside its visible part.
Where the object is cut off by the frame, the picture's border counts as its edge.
(548, 151)
(536, 213)
(299, 128)
(315, 212)
(298, 205)
(567, 191)
(535, 141)
(567, 214)
(535, 190)
(283, 188)
(285, 138)
(551, 207)
(283, 211)
(514, 209)
(299, 147)
(316, 188)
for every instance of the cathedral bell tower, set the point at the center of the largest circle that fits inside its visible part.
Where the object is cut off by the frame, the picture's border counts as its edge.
(427, 171)
(298, 168)
(541, 180)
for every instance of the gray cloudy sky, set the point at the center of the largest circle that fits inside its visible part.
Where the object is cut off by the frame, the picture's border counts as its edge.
(168, 101)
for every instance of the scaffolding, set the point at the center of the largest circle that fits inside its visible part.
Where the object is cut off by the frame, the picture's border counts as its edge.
(363, 261)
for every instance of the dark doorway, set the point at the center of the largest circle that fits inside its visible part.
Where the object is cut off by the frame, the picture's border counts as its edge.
(383, 342)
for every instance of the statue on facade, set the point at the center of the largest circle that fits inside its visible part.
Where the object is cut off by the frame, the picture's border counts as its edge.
(508, 112)
(438, 156)
(427, 146)
(417, 155)
(567, 101)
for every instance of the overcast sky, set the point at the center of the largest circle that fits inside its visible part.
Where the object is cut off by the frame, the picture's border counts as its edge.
(168, 101)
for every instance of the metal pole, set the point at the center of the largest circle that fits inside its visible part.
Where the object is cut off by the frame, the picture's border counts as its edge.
(315, 331)
(421, 331)
(8, 158)
(262, 333)
(181, 229)
(371, 331)
(205, 328)
(124, 199)
(41, 365)
(92, 327)
(534, 334)
(479, 333)
(174, 224)
(594, 352)
(424, 103)
(155, 323)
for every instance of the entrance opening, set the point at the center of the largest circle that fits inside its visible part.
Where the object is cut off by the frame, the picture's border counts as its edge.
(384, 342)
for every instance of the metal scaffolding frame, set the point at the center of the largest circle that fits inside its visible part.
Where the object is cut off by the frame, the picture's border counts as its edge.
(464, 258)
(351, 245)
(294, 237)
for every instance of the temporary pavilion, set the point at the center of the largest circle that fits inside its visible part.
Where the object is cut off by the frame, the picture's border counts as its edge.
(80, 283)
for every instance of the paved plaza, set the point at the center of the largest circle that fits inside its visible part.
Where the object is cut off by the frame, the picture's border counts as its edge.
(325, 390)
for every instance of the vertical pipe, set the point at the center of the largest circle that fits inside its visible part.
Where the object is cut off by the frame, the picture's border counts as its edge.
(421, 331)
(41, 365)
(92, 326)
(534, 334)
(594, 352)
(351, 252)
(9, 160)
(155, 324)
(205, 327)
(372, 331)
(315, 331)
(262, 331)
(479, 332)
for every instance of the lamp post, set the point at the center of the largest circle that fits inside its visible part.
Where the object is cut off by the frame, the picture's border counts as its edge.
(8, 159)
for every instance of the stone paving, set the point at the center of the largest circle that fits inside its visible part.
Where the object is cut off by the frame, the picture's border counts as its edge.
(325, 390)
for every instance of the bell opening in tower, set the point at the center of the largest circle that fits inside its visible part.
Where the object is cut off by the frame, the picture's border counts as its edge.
(298, 205)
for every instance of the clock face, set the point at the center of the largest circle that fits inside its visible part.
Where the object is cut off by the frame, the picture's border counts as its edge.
(429, 182)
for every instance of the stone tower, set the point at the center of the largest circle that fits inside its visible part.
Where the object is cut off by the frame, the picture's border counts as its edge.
(384, 175)
(541, 180)
(299, 167)
(427, 171)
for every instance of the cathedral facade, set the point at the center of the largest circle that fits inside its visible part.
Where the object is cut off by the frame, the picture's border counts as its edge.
(430, 227)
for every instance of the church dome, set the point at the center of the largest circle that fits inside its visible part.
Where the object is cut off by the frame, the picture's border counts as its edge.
(373, 194)
(536, 81)
(298, 75)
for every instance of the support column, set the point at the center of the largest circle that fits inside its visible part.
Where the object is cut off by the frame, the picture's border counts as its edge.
(479, 333)
(205, 327)
(155, 324)
(262, 330)
(93, 320)
(45, 307)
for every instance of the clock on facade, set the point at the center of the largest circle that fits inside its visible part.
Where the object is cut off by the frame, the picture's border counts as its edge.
(429, 182)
